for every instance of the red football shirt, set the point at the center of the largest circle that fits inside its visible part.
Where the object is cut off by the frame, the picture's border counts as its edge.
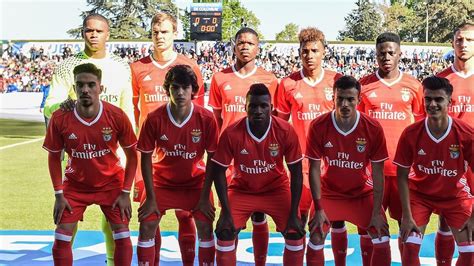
(439, 165)
(395, 105)
(179, 148)
(93, 163)
(148, 77)
(463, 94)
(228, 90)
(258, 162)
(346, 155)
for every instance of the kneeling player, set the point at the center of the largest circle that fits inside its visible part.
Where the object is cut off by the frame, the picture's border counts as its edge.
(90, 136)
(179, 133)
(258, 144)
(438, 149)
(347, 141)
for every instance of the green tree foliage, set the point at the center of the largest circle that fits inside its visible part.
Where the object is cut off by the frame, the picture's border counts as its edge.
(236, 16)
(402, 20)
(129, 19)
(289, 33)
(364, 23)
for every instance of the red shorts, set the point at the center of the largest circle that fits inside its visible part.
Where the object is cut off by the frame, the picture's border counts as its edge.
(391, 198)
(357, 211)
(80, 200)
(276, 204)
(180, 199)
(455, 211)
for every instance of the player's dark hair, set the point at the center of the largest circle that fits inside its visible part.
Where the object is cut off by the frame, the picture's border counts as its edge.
(346, 83)
(437, 83)
(258, 89)
(95, 16)
(463, 25)
(182, 75)
(88, 68)
(245, 30)
(388, 37)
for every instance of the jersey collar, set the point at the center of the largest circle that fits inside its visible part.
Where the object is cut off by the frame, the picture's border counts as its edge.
(252, 135)
(170, 116)
(101, 107)
(450, 123)
(307, 81)
(333, 118)
(391, 83)
(461, 74)
(246, 75)
(175, 55)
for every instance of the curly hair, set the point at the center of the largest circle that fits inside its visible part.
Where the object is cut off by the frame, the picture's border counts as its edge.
(311, 34)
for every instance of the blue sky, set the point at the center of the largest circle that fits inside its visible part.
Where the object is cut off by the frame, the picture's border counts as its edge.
(50, 19)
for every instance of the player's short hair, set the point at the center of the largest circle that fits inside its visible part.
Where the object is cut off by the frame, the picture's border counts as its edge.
(311, 34)
(258, 89)
(159, 17)
(88, 68)
(346, 83)
(183, 75)
(466, 24)
(95, 16)
(388, 37)
(246, 30)
(437, 83)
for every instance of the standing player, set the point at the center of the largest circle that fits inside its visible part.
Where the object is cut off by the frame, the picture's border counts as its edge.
(305, 95)
(148, 75)
(90, 134)
(115, 79)
(227, 99)
(438, 149)
(257, 144)
(347, 141)
(179, 133)
(461, 77)
(395, 100)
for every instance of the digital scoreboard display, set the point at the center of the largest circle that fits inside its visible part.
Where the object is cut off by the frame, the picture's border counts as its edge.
(206, 21)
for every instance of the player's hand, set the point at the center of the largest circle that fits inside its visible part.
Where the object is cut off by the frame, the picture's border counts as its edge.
(149, 207)
(125, 206)
(60, 204)
(319, 224)
(205, 207)
(294, 226)
(378, 227)
(407, 227)
(225, 225)
(469, 227)
(67, 105)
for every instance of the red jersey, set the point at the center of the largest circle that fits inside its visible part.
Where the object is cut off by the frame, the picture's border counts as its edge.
(258, 162)
(179, 148)
(148, 77)
(228, 90)
(439, 165)
(93, 163)
(395, 105)
(346, 155)
(463, 94)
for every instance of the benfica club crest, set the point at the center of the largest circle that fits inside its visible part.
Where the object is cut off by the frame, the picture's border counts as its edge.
(196, 135)
(361, 143)
(405, 94)
(274, 148)
(328, 92)
(107, 133)
(454, 151)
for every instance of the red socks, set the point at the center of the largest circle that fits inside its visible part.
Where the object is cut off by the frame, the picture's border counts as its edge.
(339, 245)
(294, 252)
(186, 237)
(157, 245)
(226, 253)
(381, 252)
(366, 248)
(62, 251)
(146, 252)
(123, 247)
(466, 254)
(260, 237)
(314, 255)
(444, 248)
(411, 250)
(207, 252)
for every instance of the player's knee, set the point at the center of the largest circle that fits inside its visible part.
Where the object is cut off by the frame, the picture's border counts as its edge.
(338, 224)
(317, 239)
(225, 235)
(116, 227)
(148, 229)
(258, 217)
(183, 216)
(70, 227)
(204, 229)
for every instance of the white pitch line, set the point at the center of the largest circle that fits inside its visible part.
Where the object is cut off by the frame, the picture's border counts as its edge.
(21, 143)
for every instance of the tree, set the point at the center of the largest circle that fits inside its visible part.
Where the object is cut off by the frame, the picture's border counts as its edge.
(400, 19)
(363, 23)
(236, 16)
(129, 19)
(289, 33)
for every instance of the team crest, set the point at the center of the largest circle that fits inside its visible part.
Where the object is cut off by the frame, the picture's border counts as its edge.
(405, 94)
(328, 92)
(196, 135)
(274, 148)
(107, 133)
(361, 144)
(454, 151)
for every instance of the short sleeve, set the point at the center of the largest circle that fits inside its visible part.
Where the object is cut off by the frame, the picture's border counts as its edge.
(404, 154)
(224, 153)
(146, 140)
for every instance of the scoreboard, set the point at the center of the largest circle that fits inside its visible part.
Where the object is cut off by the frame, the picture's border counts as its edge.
(206, 21)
